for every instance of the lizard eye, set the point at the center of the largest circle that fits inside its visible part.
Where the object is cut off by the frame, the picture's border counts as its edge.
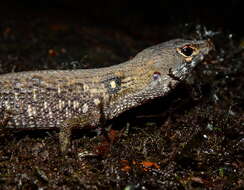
(187, 50)
(156, 75)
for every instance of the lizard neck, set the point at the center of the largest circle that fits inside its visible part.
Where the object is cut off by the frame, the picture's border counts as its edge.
(134, 88)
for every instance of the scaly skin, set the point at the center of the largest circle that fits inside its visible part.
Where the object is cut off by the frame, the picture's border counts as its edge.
(76, 98)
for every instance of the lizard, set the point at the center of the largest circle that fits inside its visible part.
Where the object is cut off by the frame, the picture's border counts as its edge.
(66, 99)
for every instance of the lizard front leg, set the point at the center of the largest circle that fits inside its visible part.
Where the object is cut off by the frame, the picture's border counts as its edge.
(82, 121)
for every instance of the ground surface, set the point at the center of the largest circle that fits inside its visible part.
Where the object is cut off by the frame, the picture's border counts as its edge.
(191, 139)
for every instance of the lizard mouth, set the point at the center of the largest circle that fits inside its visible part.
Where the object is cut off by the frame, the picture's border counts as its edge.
(183, 69)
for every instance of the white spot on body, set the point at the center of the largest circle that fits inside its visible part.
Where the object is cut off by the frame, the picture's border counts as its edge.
(60, 105)
(96, 101)
(7, 105)
(16, 96)
(34, 111)
(69, 103)
(84, 108)
(34, 95)
(63, 104)
(113, 84)
(45, 105)
(86, 88)
(23, 121)
(124, 101)
(59, 89)
(50, 113)
(58, 122)
(76, 104)
(29, 111)
(67, 112)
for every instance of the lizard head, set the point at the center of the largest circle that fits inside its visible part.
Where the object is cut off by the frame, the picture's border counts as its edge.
(178, 57)
(174, 60)
(155, 71)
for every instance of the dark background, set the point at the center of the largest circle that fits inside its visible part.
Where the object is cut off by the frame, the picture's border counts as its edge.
(127, 14)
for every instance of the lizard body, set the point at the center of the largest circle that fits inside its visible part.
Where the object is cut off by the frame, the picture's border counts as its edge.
(76, 98)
